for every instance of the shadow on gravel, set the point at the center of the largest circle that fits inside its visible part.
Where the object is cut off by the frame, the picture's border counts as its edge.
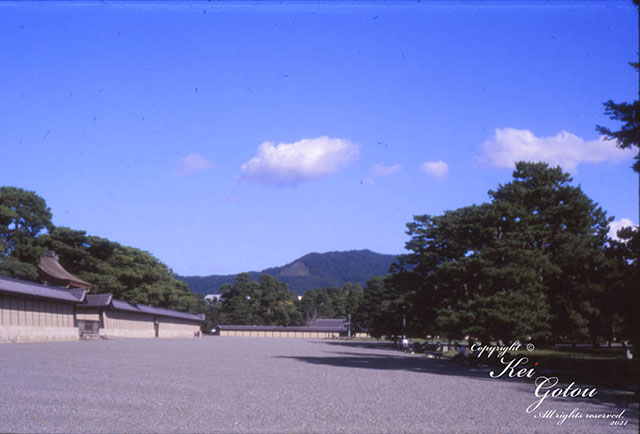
(360, 344)
(398, 361)
(413, 363)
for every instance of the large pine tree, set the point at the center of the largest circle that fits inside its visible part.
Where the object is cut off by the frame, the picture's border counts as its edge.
(524, 265)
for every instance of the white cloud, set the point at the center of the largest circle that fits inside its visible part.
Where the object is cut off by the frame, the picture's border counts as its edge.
(192, 163)
(382, 170)
(567, 150)
(438, 169)
(288, 164)
(616, 225)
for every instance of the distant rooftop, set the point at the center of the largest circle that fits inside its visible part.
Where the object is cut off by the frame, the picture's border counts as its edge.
(327, 322)
(317, 325)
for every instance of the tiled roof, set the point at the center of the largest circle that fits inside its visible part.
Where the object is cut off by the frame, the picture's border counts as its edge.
(97, 300)
(21, 287)
(51, 271)
(123, 305)
(151, 310)
(328, 322)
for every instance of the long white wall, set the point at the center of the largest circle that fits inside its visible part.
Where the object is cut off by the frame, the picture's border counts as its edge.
(280, 334)
(24, 319)
(177, 328)
(136, 325)
(127, 325)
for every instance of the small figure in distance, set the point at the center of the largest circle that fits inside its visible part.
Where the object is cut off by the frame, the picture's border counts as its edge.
(474, 356)
(460, 355)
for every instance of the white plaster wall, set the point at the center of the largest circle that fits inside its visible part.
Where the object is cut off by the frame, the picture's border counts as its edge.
(24, 319)
(176, 328)
(127, 325)
(37, 334)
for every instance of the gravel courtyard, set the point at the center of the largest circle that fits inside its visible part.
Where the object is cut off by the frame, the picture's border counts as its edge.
(225, 384)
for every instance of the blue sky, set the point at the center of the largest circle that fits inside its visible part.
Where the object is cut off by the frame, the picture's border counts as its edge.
(227, 137)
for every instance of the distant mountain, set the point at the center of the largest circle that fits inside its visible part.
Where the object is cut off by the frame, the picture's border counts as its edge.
(315, 270)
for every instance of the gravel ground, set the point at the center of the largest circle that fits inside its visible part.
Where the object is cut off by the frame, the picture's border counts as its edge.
(226, 384)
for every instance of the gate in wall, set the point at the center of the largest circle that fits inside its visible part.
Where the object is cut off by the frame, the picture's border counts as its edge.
(88, 328)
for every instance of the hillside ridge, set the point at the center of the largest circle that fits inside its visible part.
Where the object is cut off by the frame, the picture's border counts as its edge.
(311, 271)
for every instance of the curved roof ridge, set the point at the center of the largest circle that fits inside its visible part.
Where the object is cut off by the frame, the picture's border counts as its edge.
(52, 272)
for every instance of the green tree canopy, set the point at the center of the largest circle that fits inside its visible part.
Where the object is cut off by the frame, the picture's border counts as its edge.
(524, 265)
(128, 273)
(24, 216)
(627, 137)
(267, 302)
(382, 308)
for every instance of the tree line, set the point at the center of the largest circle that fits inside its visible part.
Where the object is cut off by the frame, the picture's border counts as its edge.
(269, 301)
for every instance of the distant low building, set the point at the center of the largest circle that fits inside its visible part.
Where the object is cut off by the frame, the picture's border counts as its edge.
(362, 334)
(211, 297)
(320, 328)
(327, 322)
